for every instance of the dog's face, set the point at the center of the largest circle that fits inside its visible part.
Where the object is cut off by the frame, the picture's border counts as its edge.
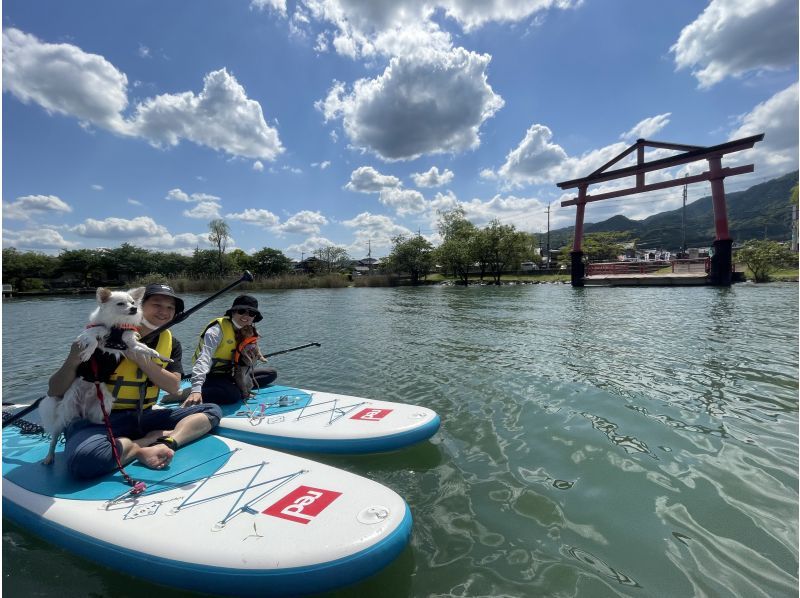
(118, 307)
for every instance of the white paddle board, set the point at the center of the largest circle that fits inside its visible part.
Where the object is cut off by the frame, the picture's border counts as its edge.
(225, 518)
(289, 418)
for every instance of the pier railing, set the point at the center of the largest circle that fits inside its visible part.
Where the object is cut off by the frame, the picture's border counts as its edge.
(683, 266)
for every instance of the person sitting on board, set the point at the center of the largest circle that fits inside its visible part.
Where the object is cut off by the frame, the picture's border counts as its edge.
(150, 436)
(212, 372)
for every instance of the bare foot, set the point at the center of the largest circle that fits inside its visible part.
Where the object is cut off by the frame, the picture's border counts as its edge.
(155, 457)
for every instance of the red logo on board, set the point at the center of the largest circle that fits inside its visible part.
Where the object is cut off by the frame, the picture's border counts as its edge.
(302, 504)
(372, 415)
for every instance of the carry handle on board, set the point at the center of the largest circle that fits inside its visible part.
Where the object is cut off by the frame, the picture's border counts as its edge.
(246, 277)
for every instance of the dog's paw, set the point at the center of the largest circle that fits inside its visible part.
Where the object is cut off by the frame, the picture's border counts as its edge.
(88, 345)
(48, 460)
(144, 351)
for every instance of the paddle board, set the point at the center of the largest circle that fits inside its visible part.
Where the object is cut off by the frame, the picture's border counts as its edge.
(225, 518)
(289, 418)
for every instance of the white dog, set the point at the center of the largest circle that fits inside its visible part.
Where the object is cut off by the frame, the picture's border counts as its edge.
(112, 329)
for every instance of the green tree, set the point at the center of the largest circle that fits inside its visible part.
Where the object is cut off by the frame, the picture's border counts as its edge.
(412, 255)
(87, 264)
(128, 260)
(457, 251)
(219, 235)
(764, 257)
(604, 247)
(331, 258)
(170, 263)
(20, 267)
(206, 262)
(271, 262)
(241, 261)
(504, 245)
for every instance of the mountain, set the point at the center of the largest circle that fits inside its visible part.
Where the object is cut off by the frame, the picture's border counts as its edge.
(763, 209)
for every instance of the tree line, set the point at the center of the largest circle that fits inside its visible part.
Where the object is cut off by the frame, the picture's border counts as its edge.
(465, 250)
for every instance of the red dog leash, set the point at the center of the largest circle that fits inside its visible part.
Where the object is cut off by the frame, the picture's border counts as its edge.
(137, 487)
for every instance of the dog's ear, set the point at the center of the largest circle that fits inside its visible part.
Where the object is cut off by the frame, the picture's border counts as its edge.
(137, 294)
(103, 294)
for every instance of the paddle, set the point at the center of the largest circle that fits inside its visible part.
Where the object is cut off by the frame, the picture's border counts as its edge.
(246, 277)
(189, 375)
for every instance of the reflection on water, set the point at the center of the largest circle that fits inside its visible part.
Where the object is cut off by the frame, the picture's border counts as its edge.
(595, 442)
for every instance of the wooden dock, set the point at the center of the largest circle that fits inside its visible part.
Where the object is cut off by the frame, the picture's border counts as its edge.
(647, 280)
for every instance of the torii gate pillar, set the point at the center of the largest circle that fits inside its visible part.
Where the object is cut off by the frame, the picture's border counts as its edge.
(721, 261)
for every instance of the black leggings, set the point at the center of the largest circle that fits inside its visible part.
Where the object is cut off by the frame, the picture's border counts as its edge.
(222, 390)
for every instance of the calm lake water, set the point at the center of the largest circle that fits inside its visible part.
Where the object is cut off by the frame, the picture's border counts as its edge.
(595, 442)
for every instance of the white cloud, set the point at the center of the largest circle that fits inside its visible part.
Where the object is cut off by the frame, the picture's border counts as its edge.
(321, 165)
(220, 117)
(97, 187)
(426, 103)
(305, 222)
(734, 37)
(37, 238)
(646, 128)
(366, 179)
(432, 178)
(777, 118)
(403, 201)
(27, 206)
(134, 202)
(400, 26)
(375, 232)
(144, 51)
(310, 245)
(178, 195)
(119, 228)
(535, 159)
(64, 79)
(258, 166)
(204, 210)
(256, 217)
(278, 6)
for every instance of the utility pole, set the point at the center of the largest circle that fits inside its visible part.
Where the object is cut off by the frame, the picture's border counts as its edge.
(548, 236)
(369, 256)
(683, 216)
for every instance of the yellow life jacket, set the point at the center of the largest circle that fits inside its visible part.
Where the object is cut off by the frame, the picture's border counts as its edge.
(130, 385)
(222, 360)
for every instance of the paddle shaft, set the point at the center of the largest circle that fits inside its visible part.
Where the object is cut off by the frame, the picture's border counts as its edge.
(187, 376)
(246, 277)
(292, 349)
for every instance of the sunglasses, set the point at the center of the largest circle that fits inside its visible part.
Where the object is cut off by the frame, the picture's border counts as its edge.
(246, 312)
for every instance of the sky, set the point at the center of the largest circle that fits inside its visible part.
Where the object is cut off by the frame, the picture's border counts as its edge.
(310, 123)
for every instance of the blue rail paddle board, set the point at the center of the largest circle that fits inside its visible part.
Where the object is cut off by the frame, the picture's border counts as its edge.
(225, 518)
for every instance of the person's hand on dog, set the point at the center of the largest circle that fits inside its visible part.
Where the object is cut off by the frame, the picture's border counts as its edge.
(194, 398)
(74, 358)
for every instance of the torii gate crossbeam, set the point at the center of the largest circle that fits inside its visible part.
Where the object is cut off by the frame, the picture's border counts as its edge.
(721, 262)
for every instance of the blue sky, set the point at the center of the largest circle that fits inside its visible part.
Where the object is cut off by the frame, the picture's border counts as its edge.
(306, 123)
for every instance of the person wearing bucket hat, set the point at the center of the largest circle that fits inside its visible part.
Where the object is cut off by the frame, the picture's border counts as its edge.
(149, 436)
(216, 353)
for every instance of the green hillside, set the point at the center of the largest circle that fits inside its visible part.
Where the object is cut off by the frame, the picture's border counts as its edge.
(752, 212)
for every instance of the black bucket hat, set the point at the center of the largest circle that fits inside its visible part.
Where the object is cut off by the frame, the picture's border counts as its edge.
(245, 302)
(158, 288)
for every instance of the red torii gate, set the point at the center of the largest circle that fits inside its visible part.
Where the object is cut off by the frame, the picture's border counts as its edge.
(721, 260)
